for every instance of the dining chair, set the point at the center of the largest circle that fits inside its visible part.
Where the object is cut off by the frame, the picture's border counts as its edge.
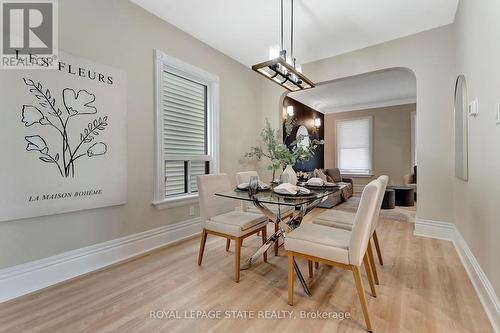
(345, 220)
(283, 211)
(219, 217)
(338, 247)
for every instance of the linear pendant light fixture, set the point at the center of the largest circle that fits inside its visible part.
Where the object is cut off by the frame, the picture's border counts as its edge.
(278, 69)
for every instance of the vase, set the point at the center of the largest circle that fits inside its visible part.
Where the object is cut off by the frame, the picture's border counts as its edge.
(290, 174)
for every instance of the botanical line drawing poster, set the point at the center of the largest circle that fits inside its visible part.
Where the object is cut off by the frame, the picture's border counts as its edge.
(64, 138)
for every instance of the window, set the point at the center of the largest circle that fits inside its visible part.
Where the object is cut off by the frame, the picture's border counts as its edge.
(186, 123)
(354, 146)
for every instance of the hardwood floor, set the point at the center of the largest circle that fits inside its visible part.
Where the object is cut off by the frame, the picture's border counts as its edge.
(423, 288)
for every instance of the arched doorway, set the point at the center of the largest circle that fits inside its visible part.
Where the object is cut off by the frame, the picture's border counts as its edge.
(388, 99)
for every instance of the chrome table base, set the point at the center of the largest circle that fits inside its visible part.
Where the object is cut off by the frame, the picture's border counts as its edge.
(293, 223)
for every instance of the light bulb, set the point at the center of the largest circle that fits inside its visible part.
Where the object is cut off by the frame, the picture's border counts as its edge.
(317, 122)
(289, 110)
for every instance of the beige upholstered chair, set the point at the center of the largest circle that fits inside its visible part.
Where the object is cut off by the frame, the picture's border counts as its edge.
(219, 217)
(338, 247)
(345, 220)
(284, 211)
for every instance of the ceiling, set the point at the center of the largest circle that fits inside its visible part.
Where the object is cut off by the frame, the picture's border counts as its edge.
(244, 30)
(377, 89)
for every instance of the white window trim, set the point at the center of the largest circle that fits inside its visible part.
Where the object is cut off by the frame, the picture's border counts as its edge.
(358, 175)
(163, 61)
(370, 135)
(413, 125)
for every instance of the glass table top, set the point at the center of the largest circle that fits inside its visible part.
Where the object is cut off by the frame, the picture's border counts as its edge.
(269, 197)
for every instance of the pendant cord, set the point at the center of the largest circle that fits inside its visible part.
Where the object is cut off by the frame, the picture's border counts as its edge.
(281, 28)
(291, 33)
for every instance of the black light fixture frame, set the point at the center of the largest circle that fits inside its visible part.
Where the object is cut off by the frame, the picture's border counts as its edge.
(279, 70)
(276, 74)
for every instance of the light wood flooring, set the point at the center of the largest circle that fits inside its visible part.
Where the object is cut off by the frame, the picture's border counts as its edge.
(423, 288)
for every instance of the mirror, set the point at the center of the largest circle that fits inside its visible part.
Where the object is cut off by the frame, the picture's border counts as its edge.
(305, 142)
(461, 128)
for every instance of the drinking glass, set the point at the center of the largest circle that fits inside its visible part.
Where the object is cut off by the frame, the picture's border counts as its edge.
(253, 185)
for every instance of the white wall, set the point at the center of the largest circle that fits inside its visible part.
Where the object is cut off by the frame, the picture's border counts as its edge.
(430, 55)
(477, 208)
(123, 35)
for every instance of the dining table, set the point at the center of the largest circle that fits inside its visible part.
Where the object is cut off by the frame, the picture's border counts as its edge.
(264, 200)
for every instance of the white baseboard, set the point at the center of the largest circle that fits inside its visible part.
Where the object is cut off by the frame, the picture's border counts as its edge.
(22, 279)
(483, 287)
(435, 229)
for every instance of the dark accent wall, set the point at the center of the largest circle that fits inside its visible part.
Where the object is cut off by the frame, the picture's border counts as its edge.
(304, 115)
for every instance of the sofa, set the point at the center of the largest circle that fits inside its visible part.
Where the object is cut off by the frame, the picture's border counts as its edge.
(337, 197)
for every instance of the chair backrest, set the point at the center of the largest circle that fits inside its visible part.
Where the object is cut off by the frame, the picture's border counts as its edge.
(384, 180)
(361, 231)
(210, 204)
(244, 176)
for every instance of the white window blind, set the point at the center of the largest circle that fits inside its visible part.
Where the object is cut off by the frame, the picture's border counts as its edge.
(185, 140)
(184, 116)
(354, 150)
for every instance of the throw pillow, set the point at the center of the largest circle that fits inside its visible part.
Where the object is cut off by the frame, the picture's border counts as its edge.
(320, 174)
(335, 174)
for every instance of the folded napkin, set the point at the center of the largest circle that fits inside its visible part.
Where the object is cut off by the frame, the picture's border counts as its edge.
(315, 181)
(289, 189)
(262, 186)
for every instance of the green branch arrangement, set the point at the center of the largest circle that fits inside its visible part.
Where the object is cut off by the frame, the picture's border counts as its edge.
(277, 152)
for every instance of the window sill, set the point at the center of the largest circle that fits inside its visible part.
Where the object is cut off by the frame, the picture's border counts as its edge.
(176, 202)
(357, 175)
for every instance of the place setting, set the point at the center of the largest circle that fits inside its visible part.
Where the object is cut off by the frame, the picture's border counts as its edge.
(318, 183)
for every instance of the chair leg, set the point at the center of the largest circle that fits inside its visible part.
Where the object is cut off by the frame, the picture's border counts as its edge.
(362, 298)
(310, 264)
(264, 240)
(290, 278)
(276, 244)
(369, 252)
(237, 259)
(316, 265)
(369, 274)
(377, 247)
(202, 245)
(228, 243)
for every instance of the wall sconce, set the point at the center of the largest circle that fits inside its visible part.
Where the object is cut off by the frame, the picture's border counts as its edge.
(289, 110)
(317, 123)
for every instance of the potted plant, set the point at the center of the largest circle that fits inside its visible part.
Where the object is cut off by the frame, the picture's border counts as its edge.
(279, 155)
